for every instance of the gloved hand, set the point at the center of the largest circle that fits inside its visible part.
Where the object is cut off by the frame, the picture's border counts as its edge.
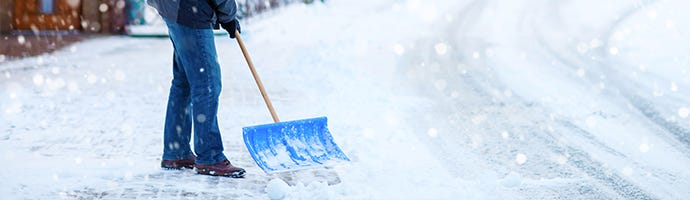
(231, 27)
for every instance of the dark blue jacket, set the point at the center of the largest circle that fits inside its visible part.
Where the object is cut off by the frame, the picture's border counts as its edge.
(202, 14)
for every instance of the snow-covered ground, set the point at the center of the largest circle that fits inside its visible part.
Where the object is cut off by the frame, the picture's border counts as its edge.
(455, 99)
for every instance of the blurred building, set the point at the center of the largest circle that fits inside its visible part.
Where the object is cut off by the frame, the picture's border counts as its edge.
(82, 16)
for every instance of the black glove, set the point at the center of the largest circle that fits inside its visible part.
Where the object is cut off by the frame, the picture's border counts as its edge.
(231, 27)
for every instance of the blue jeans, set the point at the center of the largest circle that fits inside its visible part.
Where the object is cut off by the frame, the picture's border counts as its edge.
(193, 98)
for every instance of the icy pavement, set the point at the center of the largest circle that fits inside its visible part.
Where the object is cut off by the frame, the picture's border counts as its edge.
(484, 99)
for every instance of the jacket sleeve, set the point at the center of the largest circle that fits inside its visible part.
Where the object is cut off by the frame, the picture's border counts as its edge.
(225, 10)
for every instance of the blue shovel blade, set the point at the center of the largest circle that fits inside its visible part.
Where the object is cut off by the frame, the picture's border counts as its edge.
(292, 145)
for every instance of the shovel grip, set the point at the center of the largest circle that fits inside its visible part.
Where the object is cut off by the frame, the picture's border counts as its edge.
(256, 77)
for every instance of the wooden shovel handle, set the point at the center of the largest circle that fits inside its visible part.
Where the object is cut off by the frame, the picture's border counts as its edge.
(256, 77)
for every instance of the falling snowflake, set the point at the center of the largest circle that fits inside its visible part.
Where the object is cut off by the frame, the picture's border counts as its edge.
(644, 148)
(520, 158)
(440, 84)
(591, 121)
(432, 132)
(652, 14)
(201, 118)
(441, 48)
(595, 43)
(505, 135)
(103, 7)
(582, 48)
(674, 87)
(562, 160)
(507, 93)
(38, 80)
(628, 171)
(119, 75)
(581, 72)
(21, 39)
(684, 112)
(398, 49)
(613, 51)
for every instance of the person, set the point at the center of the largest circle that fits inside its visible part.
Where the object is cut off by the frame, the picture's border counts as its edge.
(196, 85)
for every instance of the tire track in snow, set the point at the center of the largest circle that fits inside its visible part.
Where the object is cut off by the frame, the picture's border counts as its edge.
(481, 87)
(603, 68)
(677, 135)
(595, 169)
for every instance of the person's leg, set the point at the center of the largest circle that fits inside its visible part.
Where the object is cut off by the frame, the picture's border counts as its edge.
(196, 51)
(178, 123)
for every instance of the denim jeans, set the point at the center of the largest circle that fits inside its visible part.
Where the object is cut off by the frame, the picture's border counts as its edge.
(193, 100)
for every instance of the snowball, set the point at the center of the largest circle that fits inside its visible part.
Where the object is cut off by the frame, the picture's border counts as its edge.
(513, 179)
(277, 189)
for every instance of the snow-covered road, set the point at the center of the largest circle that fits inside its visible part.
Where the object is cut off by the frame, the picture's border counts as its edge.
(483, 99)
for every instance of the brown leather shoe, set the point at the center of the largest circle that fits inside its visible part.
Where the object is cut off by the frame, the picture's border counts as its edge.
(178, 164)
(223, 168)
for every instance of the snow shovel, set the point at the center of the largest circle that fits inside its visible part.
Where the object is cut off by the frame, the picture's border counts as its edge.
(291, 145)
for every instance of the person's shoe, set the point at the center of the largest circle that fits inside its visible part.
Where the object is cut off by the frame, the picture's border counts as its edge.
(223, 168)
(178, 164)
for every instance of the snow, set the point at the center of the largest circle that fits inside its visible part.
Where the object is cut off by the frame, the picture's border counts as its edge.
(277, 188)
(513, 179)
(433, 99)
